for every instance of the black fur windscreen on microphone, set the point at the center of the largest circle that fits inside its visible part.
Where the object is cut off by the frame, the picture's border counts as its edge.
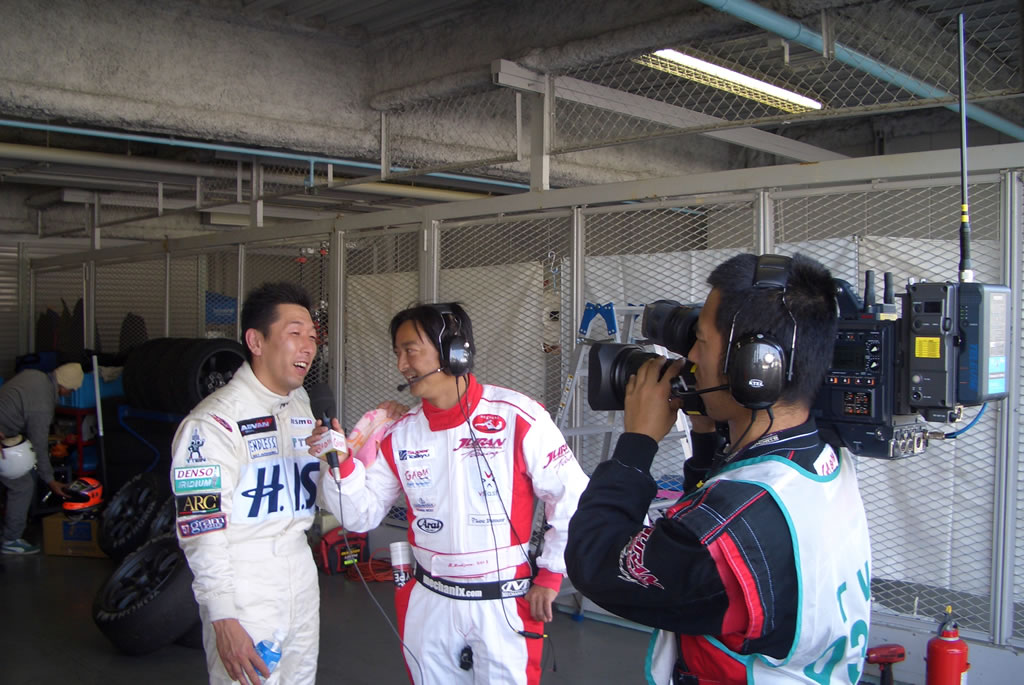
(321, 399)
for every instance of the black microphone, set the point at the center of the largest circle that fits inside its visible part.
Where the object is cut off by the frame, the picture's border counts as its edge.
(321, 400)
(403, 386)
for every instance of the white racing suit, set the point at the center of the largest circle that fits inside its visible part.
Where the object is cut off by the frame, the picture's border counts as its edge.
(461, 497)
(245, 488)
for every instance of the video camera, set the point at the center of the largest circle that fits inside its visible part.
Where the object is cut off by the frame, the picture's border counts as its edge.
(940, 348)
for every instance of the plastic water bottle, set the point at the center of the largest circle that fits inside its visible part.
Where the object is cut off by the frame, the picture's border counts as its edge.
(270, 650)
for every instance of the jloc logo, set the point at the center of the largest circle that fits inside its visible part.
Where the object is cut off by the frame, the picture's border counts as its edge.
(481, 443)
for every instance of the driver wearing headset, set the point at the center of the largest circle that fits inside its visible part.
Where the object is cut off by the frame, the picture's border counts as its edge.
(471, 461)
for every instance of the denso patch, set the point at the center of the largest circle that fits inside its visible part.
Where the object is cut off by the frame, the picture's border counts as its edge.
(260, 424)
(489, 423)
(198, 503)
(196, 478)
(262, 447)
(203, 524)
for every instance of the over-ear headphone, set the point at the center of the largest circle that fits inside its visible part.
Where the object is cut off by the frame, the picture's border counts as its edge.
(456, 353)
(757, 366)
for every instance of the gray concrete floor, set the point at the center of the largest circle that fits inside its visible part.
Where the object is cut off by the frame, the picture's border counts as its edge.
(48, 635)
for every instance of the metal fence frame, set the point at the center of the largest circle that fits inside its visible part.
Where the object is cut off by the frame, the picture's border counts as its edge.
(410, 242)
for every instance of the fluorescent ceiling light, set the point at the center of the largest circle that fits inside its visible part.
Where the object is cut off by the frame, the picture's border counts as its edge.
(684, 66)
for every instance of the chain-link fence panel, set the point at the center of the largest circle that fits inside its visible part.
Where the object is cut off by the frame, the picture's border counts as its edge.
(130, 305)
(510, 276)
(931, 515)
(59, 312)
(458, 132)
(219, 299)
(381, 278)
(638, 256)
(884, 56)
(305, 263)
(187, 295)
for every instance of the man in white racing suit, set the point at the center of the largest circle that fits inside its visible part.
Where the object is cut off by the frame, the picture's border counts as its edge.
(471, 461)
(245, 488)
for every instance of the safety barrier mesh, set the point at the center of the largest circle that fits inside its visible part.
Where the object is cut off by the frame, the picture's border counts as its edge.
(130, 305)
(931, 515)
(305, 263)
(886, 56)
(58, 315)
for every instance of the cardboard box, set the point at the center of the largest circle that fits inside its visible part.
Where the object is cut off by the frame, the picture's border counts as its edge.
(71, 537)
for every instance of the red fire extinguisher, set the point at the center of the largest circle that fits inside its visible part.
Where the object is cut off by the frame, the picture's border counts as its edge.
(947, 654)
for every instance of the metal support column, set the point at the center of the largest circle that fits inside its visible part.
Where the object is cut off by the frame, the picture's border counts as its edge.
(26, 302)
(240, 294)
(167, 295)
(335, 319)
(764, 222)
(430, 261)
(542, 111)
(577, 246)
(256, 196)
(1008, 423)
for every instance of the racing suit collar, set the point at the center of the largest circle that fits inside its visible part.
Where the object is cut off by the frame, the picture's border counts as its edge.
(262, 395)
(795, 440)
(443, 419)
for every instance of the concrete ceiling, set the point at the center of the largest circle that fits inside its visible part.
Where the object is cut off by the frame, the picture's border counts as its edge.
(156, 112)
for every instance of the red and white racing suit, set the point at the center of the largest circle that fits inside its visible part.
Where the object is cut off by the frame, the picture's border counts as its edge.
(470, 489)
(245, 488)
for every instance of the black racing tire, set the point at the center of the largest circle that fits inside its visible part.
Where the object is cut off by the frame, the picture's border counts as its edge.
(126, 520)
(163, 519)
(193, 637)
(205, 366)
(147, 601)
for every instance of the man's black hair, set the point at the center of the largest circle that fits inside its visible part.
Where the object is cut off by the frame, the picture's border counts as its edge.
(810, 297)
(260, 308)
(428, 319)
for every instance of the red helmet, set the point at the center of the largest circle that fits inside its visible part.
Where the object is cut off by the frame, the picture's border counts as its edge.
(85, 493)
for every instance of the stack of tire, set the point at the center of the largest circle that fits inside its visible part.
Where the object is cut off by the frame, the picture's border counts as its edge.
(147, 602)
(175, 374)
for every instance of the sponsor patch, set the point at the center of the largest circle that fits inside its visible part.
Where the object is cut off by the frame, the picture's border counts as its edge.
(415, 455)
(194, 445)
(489, 423)
(261, 424)
(203, 524)
(429, 525)
(484, 520)
(480, 443)
(826, 463)
(631, 562)
(302, 422)
(299, 444)
(261, 447)
(199, 503)
(559, 456)
(223, 423)
(196, 478)
(515, 588)
(423, 505)
(276, 487)
(418, 476)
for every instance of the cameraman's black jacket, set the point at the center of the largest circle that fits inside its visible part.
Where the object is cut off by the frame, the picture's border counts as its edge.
(665, 576)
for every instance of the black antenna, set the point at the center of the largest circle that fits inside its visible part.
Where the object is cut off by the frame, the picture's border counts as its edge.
(966, 268)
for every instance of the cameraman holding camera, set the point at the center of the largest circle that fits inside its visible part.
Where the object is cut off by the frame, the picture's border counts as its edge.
(760, 573)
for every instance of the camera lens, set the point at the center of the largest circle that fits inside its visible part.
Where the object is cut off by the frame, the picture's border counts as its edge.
(669, 323)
